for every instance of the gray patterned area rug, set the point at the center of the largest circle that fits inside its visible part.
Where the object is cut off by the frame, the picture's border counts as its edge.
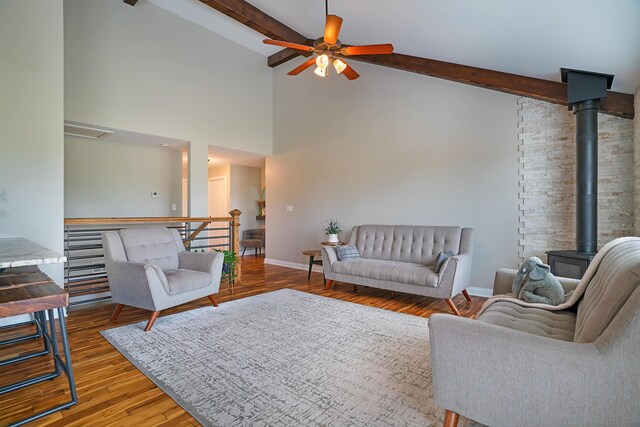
(289, 358)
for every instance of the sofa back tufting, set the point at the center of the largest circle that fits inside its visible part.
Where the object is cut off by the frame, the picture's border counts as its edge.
(408, 243)
(617, 277)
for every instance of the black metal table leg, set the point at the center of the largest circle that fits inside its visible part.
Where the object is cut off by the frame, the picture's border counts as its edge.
(310, 267)
(61, 366)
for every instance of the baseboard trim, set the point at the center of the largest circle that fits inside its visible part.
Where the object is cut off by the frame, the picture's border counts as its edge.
(480, 292)
(297, 266)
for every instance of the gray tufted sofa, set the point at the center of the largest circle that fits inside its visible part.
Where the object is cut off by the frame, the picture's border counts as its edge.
(402, 258)
(529, 366)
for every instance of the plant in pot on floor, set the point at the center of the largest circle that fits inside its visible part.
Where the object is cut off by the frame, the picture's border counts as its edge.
(332, 230)
(229, 264)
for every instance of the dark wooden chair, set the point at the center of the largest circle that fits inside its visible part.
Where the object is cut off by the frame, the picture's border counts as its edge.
(253, 238)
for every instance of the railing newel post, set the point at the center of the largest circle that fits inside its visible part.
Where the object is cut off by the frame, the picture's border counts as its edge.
(235, 244)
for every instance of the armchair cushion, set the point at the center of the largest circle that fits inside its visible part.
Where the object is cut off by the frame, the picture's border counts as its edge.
(179, 281)
(153, 245)
(551, 324)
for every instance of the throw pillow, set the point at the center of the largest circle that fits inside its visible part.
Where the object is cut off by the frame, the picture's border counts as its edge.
(441, 258)
(347, 252)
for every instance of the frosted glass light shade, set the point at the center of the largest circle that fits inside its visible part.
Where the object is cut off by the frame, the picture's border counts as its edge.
(339, 65)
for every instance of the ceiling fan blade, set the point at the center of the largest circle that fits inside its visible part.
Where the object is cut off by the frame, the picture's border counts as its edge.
(350, 73)
(300, 68)
(332, 29)
(288, 44)
(371, 49)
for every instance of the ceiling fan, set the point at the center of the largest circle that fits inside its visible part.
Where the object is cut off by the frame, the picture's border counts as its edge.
(330, 50)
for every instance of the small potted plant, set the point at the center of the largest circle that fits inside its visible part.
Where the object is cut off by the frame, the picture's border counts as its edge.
(229, 264)
(332, 230)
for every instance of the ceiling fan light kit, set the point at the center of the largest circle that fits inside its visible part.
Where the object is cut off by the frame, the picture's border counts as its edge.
(330, 51)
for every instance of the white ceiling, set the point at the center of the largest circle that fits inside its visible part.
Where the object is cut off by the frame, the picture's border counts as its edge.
(531, 38)
(224, 156)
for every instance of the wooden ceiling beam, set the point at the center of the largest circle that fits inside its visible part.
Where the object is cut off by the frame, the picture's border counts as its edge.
(616, 104)
(254, 18)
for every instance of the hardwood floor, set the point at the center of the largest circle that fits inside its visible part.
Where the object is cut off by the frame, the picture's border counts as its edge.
(112, 391)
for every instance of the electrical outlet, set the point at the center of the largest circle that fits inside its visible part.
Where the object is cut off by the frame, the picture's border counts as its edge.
(174, 207)
(290, 208)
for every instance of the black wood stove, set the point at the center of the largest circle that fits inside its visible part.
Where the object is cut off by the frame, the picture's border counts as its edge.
(585, 92)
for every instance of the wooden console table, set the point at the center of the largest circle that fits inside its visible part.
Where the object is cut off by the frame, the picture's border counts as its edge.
(24, 289)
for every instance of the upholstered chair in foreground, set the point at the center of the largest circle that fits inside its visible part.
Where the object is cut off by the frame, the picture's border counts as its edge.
(577, 364)
(149, 268)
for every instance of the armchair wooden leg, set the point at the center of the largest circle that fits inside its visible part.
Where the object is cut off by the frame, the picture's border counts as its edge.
(329, 284)
(452, 306)
(213, 301)
(116, 312)
(450, 419)
(152, 320)
(466, 295)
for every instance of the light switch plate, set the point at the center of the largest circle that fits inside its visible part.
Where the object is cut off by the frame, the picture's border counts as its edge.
(289, 208)
(174, 207)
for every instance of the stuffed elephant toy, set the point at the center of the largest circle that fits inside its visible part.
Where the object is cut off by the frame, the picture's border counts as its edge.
(535, 283)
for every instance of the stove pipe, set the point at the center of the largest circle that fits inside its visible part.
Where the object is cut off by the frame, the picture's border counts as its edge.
(586, 113)
(585, 92)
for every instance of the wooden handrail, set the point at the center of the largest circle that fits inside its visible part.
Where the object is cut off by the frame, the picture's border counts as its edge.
(143, 219)
(233, 220)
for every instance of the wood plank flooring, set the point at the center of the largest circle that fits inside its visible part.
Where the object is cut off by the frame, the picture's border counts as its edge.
(112, 391)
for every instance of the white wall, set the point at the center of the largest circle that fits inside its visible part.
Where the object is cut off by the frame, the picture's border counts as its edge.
(110, 179)
(392, 148)
(31, 120)
(636, 160)
(245, 192)
(146, 70)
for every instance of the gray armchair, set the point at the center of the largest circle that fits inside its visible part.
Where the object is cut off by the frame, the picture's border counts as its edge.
(149, 268)
(529, 366)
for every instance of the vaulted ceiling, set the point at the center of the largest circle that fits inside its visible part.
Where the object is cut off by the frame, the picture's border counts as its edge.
(520, 37)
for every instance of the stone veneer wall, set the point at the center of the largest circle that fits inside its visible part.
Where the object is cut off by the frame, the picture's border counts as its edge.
(636, 145)
(546, 169)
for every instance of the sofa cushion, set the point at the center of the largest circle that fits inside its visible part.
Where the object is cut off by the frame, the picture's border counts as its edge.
(545, 323)
(347, 252)
(179, 281)
(406, 243)
(150, 245)
(392, 271)
(615, 280)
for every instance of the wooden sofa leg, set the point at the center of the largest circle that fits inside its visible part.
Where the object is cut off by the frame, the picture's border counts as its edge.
(466, 295)
(450, 419)
(329, 284)
(452, 306)
(116, 312)
(152, 320)
(213, 301)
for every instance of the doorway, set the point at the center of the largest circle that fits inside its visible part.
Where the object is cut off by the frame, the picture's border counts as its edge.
(218, 207)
